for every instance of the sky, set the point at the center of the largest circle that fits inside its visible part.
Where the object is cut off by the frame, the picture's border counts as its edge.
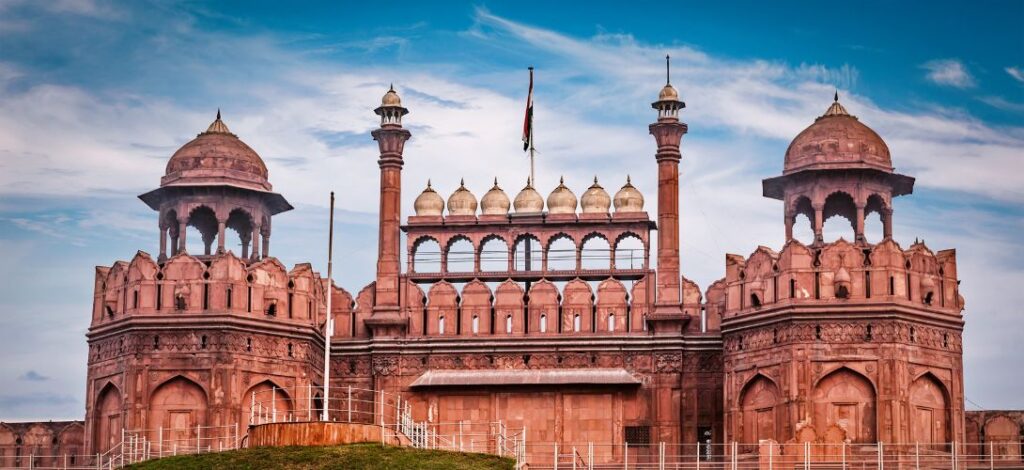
(95, 96)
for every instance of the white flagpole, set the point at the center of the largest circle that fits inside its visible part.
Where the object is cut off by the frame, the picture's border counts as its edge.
(329, 324)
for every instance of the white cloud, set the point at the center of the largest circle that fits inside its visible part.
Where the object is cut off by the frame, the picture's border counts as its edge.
(1016, 72)
(948, 72)
(311, 120)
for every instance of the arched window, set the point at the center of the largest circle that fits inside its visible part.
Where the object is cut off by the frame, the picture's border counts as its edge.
(576, 322)
(543, 323)
(629, 252)
(476, 324)
(528, 253)
(508, 323)
(645, 322)
(440, 325)
(611, 322)
(596, 253)
(460, 256)
(426, 256)
(561, 253)
(842, 205)
(494, 255)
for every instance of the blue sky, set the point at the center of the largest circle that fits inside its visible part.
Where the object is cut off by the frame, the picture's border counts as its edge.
(95, 96)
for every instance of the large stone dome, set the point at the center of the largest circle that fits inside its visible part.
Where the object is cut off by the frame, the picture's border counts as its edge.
(595, 199)
(429, 203)
(217, 157)
(495, 202)
(837, 140)
(528, 201)
(462, 201)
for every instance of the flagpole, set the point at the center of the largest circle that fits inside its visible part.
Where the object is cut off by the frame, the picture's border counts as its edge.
(329, 324)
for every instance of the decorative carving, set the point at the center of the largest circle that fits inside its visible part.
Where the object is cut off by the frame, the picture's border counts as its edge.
(384, 365)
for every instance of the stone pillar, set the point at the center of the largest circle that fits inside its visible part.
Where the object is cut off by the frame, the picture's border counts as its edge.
(819, 223)
(163, 244)
(182, 246)
(245, 245)
(668, 132)
(221, 226)
(266, 242)
(858, 228)
(444, 260)
(887, 224)
(256, 243)
(579, 258)
(386, 319)
(511, 258)
(790, 219)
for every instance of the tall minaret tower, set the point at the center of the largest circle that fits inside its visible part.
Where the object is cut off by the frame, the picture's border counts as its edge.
(390, 136)
(668, 132)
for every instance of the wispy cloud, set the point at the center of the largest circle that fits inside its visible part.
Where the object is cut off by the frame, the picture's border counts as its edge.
(33, 376)
(949, 72)
(1017, 73)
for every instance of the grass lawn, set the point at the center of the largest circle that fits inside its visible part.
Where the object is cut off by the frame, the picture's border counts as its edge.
(349, 457)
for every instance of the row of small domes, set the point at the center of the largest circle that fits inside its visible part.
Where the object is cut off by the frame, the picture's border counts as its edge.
(595, 200)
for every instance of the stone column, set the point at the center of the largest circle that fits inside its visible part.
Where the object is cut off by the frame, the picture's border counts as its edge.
(386, 319)
(181, 237)
(163, 244)
(245, 245)
(579, 258)
(859, 224)
(887, 224)
(790, 219)
(256, 243)
(266, 243)
(668, 133)
(819, 223)
(221, 225)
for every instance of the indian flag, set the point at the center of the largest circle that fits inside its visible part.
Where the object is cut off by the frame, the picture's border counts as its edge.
(528, 120)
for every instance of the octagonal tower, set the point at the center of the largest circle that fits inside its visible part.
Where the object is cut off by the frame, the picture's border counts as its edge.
(841, 340)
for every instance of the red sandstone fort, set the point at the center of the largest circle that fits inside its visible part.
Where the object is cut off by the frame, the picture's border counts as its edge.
(501, 313)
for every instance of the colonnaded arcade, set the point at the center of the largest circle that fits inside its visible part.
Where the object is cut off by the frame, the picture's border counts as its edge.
(504, 312)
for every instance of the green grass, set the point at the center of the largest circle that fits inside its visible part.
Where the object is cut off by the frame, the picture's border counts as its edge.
(349, 457)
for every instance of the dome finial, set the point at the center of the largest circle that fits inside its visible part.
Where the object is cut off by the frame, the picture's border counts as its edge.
(561, 179)
(428, 183)
(628, 179)
(218, 114)
(836, 98)
(668, 65)
(462, 182)
(495, 181)
(595, 179)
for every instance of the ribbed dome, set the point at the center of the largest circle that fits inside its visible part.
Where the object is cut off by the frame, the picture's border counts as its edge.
(462, 202)
(495, 202)
(217, 157)
(561, 200)
(528, 200)
(595, 199)
(429, 202)
(837, 140)
(391, 98)
(668, 93)
(629, 199)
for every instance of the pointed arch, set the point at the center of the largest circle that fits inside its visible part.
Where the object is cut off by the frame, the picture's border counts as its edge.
(107, 418)
(178, 405)
(273, 403)
(846, 398)
(757, 401)
(929, 410)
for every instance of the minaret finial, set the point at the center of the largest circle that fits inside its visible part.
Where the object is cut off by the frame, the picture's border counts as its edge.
(668, 66)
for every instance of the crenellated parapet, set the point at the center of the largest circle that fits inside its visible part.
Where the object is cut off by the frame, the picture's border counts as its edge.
(844, 275)
(222, 284)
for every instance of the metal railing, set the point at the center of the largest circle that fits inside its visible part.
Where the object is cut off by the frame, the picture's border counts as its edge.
(768, 455)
